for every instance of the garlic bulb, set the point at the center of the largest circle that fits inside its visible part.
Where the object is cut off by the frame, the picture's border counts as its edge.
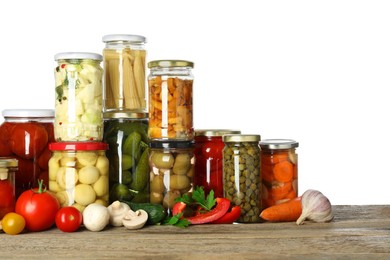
(315, 207)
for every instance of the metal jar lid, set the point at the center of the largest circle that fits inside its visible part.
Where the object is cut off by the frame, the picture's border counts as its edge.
(30, 113)
(275, 144)
(170, 63)
(215, 132)
(241, 138)
(125, 115)
(124, 38)
(78, 56)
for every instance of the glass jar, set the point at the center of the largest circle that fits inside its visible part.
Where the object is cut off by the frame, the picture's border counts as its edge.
(8, 167)
(128, 154)
(78, 97)
(124, 72)
(172, 171)
(25, 135)
(208, 155)
(78, 173)
(241, 175)
(170, 100)
(279, 169)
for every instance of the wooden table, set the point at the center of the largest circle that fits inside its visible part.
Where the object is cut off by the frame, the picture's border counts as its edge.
(357, 232)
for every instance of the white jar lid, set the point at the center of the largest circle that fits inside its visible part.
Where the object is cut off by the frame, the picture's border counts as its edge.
(28, 113)
(78, 56)
(123, 37)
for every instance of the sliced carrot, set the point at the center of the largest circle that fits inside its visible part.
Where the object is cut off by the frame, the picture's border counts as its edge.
(287, 211)
(281, 191)
(279, 157)
(284, 171)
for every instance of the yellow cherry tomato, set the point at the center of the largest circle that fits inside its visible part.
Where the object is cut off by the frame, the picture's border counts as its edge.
(13, 223)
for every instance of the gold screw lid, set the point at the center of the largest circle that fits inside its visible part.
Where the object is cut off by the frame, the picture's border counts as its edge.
(170, 63)
(241, 138)
(8, 162)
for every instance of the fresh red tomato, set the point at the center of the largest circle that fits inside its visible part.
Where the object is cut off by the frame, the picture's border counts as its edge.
(69, 219)
(7, 198)
(38, 207)
(28, 140)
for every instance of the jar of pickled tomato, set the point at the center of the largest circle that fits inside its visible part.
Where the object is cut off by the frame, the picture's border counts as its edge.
(25, 135)
(208, 155)
(279, 168)
(8, 166)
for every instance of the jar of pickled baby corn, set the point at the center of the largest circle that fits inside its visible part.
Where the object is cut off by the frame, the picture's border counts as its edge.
(241, 175)
(279, 168)
(79, 100)
(78, 173)
(170, 100)
(124, 73)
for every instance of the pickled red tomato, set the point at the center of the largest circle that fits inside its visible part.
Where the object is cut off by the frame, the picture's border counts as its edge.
(28, 140)
(7, 198)
(5, 130)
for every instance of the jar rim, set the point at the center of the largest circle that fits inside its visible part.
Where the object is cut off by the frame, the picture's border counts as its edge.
(49, 113)
(125, 115)
(171, 144)
(78, 56)
(170, 63)
(232, 138)
(274, 144)
(124, 37)
(215, 132)
(78, 146)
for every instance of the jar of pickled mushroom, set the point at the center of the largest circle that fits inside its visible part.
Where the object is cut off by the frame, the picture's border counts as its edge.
(78, 173)
(241, 175)
(279, 168)
(25, 135)
(208, 155)
(127, 136)
(124, 73)
(78, 97)
(172, 171)
(170, 100)
(8, 166)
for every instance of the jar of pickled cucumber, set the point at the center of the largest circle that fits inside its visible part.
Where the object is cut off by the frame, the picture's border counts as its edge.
(78, 97)
(241, 175)
(8, 167)
(25, 135)
(208, 155)
(78, 173)
(170, 100)
(124, 73)
(172, 171)
(279, 169)
(128, 154)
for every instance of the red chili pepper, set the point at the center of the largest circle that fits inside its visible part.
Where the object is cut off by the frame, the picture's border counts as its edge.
(218, 211)
(178, 208)
(229, 217)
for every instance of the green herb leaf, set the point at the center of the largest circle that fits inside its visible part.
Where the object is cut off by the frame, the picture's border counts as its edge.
(177, 221)
(199, 197)
(185, 199)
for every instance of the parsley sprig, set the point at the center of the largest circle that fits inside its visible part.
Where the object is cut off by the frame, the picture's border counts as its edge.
(177, 221)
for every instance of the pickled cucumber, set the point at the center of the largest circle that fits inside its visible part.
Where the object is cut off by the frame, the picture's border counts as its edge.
(141, 175)
(131, 146)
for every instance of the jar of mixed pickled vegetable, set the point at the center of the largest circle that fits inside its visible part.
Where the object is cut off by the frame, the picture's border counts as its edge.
(208, 154)
(124, 72)
(78, 173)
(7, 185)
(78, 97)
(241, 175)
(172, 171)
(170, 100)
(279, 168)
(25, 135)
(128, 154)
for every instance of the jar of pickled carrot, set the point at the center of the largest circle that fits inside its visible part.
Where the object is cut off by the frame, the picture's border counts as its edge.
(124, 73)
(208, 157)
(279, 168)
(170, 100)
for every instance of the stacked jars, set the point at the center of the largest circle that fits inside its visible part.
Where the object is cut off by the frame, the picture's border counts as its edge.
(171, 130)
(78, 167)
(25, 135)
(125, 117)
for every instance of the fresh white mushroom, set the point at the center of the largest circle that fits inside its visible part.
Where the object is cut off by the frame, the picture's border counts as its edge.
(135, 220)
(117, 211)
(96, 217)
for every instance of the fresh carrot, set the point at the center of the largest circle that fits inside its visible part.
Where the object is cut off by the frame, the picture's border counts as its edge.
(284, 171)
(284, 212)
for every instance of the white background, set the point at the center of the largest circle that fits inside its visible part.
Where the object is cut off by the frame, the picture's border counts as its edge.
(314, 71)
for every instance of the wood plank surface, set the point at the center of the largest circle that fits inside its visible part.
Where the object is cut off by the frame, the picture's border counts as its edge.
(357, 232)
